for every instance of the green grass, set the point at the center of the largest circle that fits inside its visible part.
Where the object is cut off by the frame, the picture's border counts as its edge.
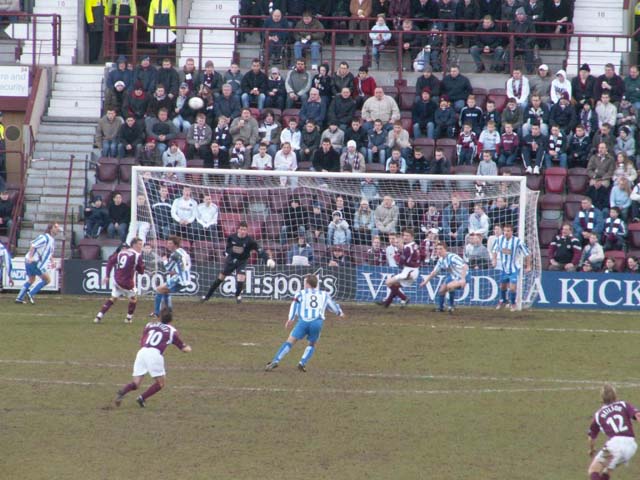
(390, 394)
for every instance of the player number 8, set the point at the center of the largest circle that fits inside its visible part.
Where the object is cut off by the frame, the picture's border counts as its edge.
(313, 303)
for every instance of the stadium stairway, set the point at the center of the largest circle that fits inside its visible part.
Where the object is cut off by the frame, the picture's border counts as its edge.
(9, 48)
(216, 45)
(66, 130)
(72, 30)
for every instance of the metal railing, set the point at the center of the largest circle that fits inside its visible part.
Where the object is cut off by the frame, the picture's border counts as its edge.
(65, 223)
(25, 27)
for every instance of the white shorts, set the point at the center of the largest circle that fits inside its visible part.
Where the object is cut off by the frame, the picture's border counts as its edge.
(149, 360)
(620, 450)
(117, 291)
(407, 276)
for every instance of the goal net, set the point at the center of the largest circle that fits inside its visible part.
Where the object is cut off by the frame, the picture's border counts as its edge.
(344, 227)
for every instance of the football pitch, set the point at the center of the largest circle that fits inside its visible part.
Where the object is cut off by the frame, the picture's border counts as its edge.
(389, 394)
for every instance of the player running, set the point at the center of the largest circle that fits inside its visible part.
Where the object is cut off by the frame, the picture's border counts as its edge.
(457, 272)
(125, 262)
(156, 337)
(409, 259)
(614, 419)
(5, 263)
(237, 253)
(308, 308)
(38, 261)
(178, 263)
(507, 257)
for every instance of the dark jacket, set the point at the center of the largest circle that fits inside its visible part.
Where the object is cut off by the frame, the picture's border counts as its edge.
(565, 118)
(488, 40)
(615, 92)
(119, 213)
(432, 83)
(341, 111)
(136, 106)
(254, 80)
(423, 112)
(148, 77)
(430, 10)
(458, 88)
(133, 136)
(523, 41)
(316, 111)
(490, 7)
(583, 92)
(170, 79)
(441, 167)
(338, 82)
(156, 104)
(360, 137)
(329, 161)
(227, 106)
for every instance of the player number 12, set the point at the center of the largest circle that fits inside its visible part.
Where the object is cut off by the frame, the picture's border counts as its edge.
(620, 427)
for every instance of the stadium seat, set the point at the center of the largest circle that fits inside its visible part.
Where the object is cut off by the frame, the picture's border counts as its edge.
(182, 144)
(278, 200)
(235, 200)
(513, 170)
(577, 180)
(128, 161)
(124, 173)
(375, 167)
(572, 206)
(406, 100)
(195, 163)
(546, 234)
(634, 235)
(103, 190)
(407, 89)
(619, 257)
(390, 90)
(448, 145)
(407, 121)
(500, 100)
(534, 182)
(107, 170)
(544, 259)
(304, 166)
(481, 97)
(290, 113)
(89, 249)
(428, 146)
(551, 201)
(464, 170)
(277, 113)
(555, 179)
(358, 254)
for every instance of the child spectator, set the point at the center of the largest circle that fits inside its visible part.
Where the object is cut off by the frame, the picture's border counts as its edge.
(96, 217)
(556, 145)
(509, 146)
(489, 140)
(471, 114)
(579, 148)
(445, 120)
(269, 133)
(492, 114)
(615, 231)
(292, 135)
(380, 35)
(466, 145)
(377, 143)
(338, 231)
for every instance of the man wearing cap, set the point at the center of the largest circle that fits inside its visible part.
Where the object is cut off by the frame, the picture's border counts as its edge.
(487, 42)
(632, 86)
(276, 93)
(523, 41)
(120, 73)
(582, 87)
(168, 77)
(610, 82)
(563, 115)
(351, 159)
(107, 134)
(146, 74)
(540, 84)
(114, 97)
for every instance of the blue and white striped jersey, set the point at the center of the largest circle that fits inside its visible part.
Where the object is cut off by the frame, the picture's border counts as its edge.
(179, 264)
(5, 259)
(310, 304)
(510, 252)
(451, 264)
(43, 247)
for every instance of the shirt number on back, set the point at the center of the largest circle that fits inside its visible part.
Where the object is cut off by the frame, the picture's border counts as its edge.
(122, 261)
(617, 424)
(154, 339)
(313, 301)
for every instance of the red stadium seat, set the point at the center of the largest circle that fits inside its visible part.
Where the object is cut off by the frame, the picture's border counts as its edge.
(500, 99)
(290, 113)
(375, 167)
(128, 161)
(619, 257)
(572, 206)
(513, 170)
(551, 201)
(464, 170)
(534, 182)
(544, 259)
(407, 122)
(634, 235)
(481, 97)
(406, 100)
(390, 90)
(125, 173)
(546, 235)
(448, 145)
(103, 190)
(555, 179)
(182, 144)
(427, 145)
(236, 200)
(578, 180)
(107, 170)
(89, 249)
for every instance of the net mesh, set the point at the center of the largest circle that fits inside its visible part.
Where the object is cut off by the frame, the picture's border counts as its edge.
(343, 227)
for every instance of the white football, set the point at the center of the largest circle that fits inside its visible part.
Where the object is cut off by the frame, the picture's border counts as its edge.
(196, 103)
(271, 263)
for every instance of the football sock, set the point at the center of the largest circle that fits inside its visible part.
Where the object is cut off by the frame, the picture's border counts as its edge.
(308, 353)
(214, 286)
(440, 298)
(284, 349)
(393, 291)
(503, 295)
(107, 305)
(23, 290)
(452, 297)
(604, 476)
(131, 308)
(152, 390)
(37, 288)
(512, 297)
(128, 387)
(239, 288)
(401, 294)
(158, 303)
(595, 476)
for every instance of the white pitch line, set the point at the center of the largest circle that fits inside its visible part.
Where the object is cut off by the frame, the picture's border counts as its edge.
(370, 375)
(315, 391)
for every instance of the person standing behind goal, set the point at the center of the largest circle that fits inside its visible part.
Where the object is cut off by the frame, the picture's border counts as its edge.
(237, 253)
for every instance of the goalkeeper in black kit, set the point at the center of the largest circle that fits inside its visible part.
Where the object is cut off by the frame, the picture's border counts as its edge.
(237, 253)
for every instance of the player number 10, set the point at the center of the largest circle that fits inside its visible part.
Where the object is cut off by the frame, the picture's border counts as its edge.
(617, 424)
(154, 339)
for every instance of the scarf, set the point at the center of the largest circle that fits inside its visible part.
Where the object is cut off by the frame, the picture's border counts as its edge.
(587, 219)
(517, 88)
(613, 228)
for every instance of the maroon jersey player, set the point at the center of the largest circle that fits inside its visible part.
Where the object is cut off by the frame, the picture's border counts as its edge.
(125, 263)
(408, 259)
(614, 419)
(156, 337)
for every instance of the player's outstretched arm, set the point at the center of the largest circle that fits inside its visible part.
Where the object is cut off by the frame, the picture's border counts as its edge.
(428, 278)
(592, 446)
(186, 349)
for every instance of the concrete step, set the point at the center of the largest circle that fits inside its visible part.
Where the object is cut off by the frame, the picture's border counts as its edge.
(70, 78)
(69, 128)
(54, 191)
(58, 155)
(81, 103)
(67, 58)
(55, 145)
(65, 112)
(81, 70)
(76, 94)
(62, 138)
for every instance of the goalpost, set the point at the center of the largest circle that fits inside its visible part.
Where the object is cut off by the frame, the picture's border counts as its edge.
(353, 269)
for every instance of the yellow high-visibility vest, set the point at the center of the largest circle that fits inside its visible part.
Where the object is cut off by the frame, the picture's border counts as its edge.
(165, 7)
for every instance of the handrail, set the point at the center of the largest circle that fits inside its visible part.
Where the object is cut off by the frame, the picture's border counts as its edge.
(32, 20)
(64, 221)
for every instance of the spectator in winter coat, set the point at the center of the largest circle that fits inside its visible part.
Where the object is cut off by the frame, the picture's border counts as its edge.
(621, 196)
(276, 37)
(313, 108)
(380, 35)
(254, 86)
(245, 128)
(115, 97)
(96, 218)
(308, 35)
(120, 74)
(189, 75)
(184, 211)
(444, 120)
(211, 79)
(130, 138)
(136, 102)
(168, 77)
(524, 43)
(609, 82)
(269, 131)
(342, 78)
(606, 111)
(118, 218)
(338, 231)
(534, 147)
(563, 115)
(107, 134)
(513, 115)
(565, 250)
(335, 135)
(276, 93)
(342, 109)
(161, 129)
(556, 155)
(560, 86)
(455, 222)
(227, 104)
(298, 84)
(364, 227)
(592, 254)
(632, 87)
(615, 230)
(377, 145)
(488, 43)
(147, 74)
(509, 147)
(233, 77)
(518, 88)
(183, 115)
(380, 107)
(457, 87)
(582, 87)
(588, 220)
(199, 138)
(579, 148)
(364, 87)
(149, 155)
(540, 84)
(351, 159)
(601, 166)
(159, 100)
(537, 112)
(386, 216)
(326, 158)
(430, 81)
(625, 144)
(308, 142)
(423, 116)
